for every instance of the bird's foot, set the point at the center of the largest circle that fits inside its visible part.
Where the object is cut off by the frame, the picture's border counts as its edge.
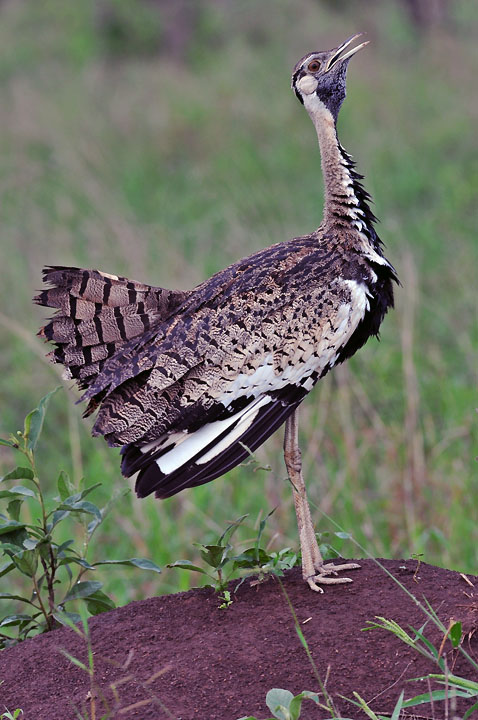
(325, 571)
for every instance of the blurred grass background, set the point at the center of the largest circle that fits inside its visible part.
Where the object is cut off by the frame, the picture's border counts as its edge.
(161, 141)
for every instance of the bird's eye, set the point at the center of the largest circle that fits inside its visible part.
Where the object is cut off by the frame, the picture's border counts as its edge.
(313, 66)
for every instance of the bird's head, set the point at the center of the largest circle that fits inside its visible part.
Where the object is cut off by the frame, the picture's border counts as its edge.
(319, 77)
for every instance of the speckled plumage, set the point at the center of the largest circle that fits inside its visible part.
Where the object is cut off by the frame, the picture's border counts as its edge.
(187, 382)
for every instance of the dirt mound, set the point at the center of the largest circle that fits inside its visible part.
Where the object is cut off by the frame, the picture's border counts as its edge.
(180, 656)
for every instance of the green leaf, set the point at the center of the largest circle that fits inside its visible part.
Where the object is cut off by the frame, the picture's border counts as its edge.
(99, 602)
(469, 685)
(6, 567)
(30, 544)
(470, 711)
(262, 526)
(363, 705)
(57, 517)
(27, 562)
(73, 659)
(455, 634)
(72, 499)
(454, 681)
(10, 620)
(398, 707)
(46, 548)
(9, 525)
(214, 555)
(81, 506)
(19, 473)
(301, 637)
(68, 619)
(8, 494)
(230, 530)
(82, 590)
(437, 695)
(78, 560)
(187, 565)
(278, 702)
(13, 509)
(12, 548)
(132, 562)
(34, 420)
(7, 443)
(11, 596)
(251, 558)
(65, 486)
(93, 524)
(65, 545)
(22, 490)
(295, 704)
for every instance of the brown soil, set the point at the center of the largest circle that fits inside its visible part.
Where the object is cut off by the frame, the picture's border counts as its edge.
(183, 653)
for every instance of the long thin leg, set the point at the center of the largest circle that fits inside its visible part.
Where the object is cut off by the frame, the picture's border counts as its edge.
(314, 570)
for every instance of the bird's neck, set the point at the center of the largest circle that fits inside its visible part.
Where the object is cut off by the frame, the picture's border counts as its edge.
(346, 201)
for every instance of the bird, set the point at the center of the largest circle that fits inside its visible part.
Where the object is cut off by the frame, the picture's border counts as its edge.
(190, 383)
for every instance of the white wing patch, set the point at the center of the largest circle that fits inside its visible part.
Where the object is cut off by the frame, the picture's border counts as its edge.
(248, 417)
(192, 443)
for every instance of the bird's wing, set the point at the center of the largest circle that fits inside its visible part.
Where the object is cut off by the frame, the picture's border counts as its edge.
(178, 343)
(214, 362)
(212, 450)
(224, 362)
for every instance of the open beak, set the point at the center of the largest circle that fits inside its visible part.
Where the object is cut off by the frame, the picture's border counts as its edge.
(338, 57)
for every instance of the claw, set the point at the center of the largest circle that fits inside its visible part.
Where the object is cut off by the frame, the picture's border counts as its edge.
(324, 572)
(331, 569)
(313, 586)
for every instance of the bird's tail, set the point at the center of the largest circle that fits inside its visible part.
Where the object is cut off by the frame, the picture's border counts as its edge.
(96, 314)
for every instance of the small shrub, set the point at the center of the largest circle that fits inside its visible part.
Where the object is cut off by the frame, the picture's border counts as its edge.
(7, 715)
(225, 562)
(55, 569)
(284, 705)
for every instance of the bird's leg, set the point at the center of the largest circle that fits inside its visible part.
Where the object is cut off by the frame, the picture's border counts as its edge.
(314, 570)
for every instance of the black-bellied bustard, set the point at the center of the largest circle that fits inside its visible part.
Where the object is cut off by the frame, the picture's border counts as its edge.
(187, 382)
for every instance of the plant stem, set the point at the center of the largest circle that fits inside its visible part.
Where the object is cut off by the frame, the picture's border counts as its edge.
(42, 607)
(49, 568)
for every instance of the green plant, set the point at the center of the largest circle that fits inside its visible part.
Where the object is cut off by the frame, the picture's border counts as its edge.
(360, 702)
(454, 686)
(226, 600)
(284, 705)
(95, 692)
(7, 715)
(225, 561)
(29, 531)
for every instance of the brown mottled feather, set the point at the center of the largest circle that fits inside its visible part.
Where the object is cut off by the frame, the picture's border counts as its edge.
(98, 314)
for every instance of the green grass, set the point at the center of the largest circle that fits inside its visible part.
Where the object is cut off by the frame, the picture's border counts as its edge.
(166, 170)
